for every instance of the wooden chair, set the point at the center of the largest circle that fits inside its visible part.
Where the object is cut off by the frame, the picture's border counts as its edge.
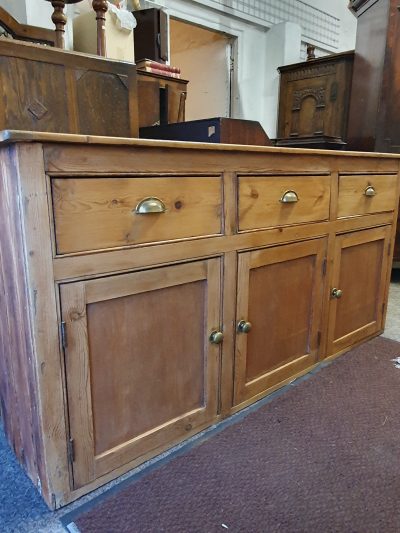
(99, 6)
(13, 29)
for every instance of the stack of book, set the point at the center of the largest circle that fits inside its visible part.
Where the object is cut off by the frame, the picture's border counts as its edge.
(148, 65)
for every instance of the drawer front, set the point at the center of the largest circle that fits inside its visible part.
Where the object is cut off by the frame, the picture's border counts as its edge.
(363, 194)
(99, 213)
(266, 201)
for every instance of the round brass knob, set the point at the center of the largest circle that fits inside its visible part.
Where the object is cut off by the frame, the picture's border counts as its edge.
(216, 337)
(336, 293)
(244, 327)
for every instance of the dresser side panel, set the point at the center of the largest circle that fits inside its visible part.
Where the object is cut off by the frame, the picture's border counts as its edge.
(18, 386)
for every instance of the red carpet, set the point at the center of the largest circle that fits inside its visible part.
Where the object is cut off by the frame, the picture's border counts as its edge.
(322, 457)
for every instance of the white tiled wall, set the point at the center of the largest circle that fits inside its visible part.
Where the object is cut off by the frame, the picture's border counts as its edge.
(317, 25)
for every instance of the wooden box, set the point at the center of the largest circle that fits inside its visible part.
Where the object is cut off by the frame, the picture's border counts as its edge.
(212, 130)
(151, 35)
(47, 89)
(314, 101)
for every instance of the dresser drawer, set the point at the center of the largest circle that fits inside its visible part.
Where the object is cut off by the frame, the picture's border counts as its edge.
(99, 213)
(266, 201)
(364, 194)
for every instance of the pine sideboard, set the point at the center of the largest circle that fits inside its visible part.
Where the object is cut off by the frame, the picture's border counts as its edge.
(150, 288)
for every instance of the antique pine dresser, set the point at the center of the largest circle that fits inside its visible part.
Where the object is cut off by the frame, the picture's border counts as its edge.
(150, 288)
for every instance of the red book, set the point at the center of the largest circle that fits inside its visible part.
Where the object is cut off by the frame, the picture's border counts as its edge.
(147, 63)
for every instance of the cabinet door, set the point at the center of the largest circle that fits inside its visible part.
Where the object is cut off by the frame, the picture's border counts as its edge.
(140, 370)
(359, 274)
(280, 293)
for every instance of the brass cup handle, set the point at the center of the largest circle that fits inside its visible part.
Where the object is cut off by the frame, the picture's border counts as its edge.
(336, 293)
(369, 191)
(289, 197)
(244, 327)
(150, 205)
(216, 337)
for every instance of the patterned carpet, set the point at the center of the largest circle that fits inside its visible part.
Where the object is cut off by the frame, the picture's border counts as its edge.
(323, 457)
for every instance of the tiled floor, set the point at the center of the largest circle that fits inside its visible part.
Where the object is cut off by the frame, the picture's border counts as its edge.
(22, 510)
(392, 328)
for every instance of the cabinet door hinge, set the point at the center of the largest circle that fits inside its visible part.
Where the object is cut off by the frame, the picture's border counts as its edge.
(63, 333)
(71, 450)
(324, 267)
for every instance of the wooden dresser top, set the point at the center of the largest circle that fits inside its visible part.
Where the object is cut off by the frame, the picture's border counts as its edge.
(16, 136)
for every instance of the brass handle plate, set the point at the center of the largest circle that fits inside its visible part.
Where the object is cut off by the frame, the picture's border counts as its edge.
(244, 327)
(150, 205)
(216, 337)
(336, 293)
(289, 197)
(369, 191)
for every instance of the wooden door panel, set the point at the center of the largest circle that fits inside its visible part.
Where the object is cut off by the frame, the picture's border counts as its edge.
(360, 269)
(280, 294)
(161, 374)
(140, 369)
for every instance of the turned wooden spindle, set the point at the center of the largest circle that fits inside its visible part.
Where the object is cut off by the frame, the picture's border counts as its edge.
(59, 19)
(100, 7)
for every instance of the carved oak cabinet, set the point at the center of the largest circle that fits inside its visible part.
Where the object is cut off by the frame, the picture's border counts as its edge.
(152, 288)
(314, 102)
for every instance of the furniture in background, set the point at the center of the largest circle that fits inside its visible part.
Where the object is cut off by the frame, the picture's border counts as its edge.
(374, 111)
(213, 130)
(161, 99)
(374, 114)
(23, 32)
(314, 101)
(48, 89)
(138, 278)
(151, 35)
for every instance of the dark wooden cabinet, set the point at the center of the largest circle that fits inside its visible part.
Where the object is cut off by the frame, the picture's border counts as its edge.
(374, 114)
(313, 102)
(162, 99)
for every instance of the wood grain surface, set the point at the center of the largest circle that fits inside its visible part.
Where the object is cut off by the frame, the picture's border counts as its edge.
(98, 213)
(136, 355)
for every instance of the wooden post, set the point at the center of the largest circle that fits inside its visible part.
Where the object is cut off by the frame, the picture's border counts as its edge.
(59, 20)
(100, 7)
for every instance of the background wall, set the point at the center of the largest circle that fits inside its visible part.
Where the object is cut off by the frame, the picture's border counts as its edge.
(191, 46)
(266, 34)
